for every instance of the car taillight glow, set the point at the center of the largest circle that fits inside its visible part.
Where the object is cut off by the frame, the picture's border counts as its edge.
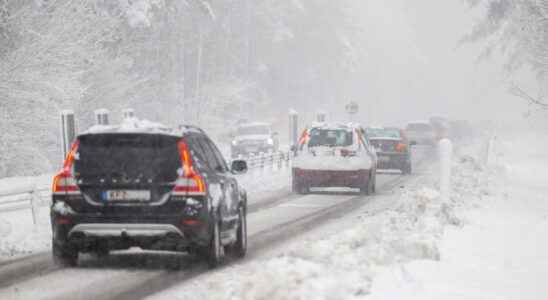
(190, 182)
(64, 182)
(400, 147)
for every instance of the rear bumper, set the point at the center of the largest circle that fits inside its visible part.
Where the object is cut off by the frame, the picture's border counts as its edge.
(172, 232)
(125, 230)
(330, 178)
(392, 160)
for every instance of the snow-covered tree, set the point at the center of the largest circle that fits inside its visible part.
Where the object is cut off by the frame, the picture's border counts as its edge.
(519, 29)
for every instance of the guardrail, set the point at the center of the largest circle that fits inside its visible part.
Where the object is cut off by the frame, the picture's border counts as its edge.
(37, 197)
(266, 160)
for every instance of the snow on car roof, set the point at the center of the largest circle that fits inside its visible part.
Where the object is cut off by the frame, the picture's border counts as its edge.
(132, 125)
(324, 125)
(253, 124)
(419, 122)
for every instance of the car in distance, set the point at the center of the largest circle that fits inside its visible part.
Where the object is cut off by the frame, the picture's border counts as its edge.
(254, 138)
(144, 185)
(421, 133)
(392, 147)
(334, 155)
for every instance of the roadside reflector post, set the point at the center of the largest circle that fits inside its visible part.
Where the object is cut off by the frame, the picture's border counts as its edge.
(68, 131)
(293, 128)
(129, 113)
(101, 116)
(445, 148)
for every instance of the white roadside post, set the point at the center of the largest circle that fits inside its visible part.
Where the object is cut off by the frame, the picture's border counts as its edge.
(68, 131)
(293, 128)
(101, 116)
(445, 155)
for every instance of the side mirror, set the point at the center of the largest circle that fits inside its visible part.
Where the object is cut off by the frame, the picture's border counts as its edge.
(239, 167)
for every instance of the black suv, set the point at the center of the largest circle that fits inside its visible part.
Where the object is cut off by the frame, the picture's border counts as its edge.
(153, 188)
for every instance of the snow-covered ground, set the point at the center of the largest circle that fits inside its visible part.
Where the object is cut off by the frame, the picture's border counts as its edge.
(501, 252)
(410, 243)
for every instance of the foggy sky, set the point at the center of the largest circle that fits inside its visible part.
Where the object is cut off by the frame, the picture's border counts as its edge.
(416, 68)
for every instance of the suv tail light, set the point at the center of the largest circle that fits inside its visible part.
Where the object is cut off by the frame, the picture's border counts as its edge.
(401, 147)
(189, 182)
(64, 182)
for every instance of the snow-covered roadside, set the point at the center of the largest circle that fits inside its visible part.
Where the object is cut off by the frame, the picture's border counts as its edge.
(502, 251)
(343, 261)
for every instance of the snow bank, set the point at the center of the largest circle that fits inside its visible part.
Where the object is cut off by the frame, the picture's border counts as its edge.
(500, 252)
(343, 265)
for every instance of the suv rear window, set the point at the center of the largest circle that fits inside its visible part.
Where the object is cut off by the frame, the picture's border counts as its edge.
(330, 137)
(128, 157)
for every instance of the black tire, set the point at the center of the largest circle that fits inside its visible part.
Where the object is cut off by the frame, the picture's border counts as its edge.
(239, 248)
(407, 169)
(369, 187)
(101, 252)
(303, 190)
(63, 255)
(215, 250)
(300, 188)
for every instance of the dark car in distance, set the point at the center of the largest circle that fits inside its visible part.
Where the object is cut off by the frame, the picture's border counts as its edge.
(392, 147)
(149, 187)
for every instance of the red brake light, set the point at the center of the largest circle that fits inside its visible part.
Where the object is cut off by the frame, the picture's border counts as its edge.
(64, 182)
(400, 147)
(189, 182)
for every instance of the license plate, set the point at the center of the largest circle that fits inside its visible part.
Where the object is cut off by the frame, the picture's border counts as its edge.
(252, 149)
(126, 195)
(384, 158)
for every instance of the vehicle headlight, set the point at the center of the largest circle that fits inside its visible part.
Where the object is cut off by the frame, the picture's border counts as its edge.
(270, 141)
(234, 143)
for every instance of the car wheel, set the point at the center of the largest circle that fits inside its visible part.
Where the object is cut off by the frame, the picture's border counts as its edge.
(64, 256)
(215, 250)
(407, 169)
(303, 190)
(239, 248)
(369, 186)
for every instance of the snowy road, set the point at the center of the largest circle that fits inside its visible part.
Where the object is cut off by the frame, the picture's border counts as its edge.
(136, 274)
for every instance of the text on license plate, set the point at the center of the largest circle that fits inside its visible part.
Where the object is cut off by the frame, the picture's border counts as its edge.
(126, 195)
